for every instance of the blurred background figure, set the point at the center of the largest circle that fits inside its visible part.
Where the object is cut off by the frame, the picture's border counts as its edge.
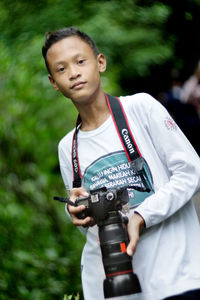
(191, 90)
(183, 103)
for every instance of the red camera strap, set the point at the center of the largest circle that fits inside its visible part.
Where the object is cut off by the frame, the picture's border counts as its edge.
(126, 138)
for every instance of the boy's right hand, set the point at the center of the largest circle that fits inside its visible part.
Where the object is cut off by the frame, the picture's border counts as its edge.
(74, 194)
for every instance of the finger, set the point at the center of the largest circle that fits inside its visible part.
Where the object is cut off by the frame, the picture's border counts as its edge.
(75, 210)
(82, 222)
(77, 192)
(90, 223)
(135, 224)
(132, 245)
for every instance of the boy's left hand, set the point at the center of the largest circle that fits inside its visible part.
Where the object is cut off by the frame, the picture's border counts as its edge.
(135, 224)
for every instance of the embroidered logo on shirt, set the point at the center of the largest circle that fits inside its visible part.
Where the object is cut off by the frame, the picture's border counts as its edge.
(170, 124)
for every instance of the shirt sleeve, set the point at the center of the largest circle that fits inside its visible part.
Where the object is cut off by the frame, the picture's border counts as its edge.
(181, 161)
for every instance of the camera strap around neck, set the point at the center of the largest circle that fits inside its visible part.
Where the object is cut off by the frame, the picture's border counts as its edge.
(130, 147)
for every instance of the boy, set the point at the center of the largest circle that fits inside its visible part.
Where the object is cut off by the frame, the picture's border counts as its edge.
(167, 258)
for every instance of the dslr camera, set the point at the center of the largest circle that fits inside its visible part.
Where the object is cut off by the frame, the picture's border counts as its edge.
(104, 205)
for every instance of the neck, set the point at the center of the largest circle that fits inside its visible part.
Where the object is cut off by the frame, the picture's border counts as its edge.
(94, 113)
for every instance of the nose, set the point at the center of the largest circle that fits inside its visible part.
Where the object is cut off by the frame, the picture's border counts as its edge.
(73, 72)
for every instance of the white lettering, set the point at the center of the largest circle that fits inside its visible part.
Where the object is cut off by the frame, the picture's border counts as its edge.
(110, 170)
(124, 166)
(119, 175)
(75, 165)
(127, 140)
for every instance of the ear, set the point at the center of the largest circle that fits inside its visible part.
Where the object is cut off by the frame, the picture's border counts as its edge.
(101, 60)
(53, 83)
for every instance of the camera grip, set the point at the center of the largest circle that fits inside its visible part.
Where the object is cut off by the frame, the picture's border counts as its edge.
(85, 213)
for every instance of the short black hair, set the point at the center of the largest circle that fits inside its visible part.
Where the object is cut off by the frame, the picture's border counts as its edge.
(53, 37)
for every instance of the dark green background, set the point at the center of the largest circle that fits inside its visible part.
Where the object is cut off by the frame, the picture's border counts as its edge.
(144, 41)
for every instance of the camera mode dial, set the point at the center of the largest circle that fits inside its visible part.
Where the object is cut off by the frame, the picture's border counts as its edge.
(110, 196)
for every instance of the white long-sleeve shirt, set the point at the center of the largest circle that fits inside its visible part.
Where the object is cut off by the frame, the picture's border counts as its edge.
(167, 258)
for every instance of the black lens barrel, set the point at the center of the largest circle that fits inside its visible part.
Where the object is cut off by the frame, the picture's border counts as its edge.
(120, 279)
(121, 285)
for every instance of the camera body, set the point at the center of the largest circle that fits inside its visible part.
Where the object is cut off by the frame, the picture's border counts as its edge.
(104, 206)
(102, 201)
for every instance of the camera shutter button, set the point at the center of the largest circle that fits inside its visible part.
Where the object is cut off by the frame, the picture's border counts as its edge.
(110, 196)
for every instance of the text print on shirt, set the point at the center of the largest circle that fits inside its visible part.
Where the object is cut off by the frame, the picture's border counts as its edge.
(115, 171)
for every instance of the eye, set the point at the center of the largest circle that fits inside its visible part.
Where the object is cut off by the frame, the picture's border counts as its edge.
(61, 69)
(81, 61)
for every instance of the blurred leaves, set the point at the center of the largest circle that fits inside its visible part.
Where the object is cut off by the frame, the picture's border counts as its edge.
(39, 247)
(136, 31)
(70, 297)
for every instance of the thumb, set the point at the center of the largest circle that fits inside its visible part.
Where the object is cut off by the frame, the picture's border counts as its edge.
(132, 244)
(135, 224)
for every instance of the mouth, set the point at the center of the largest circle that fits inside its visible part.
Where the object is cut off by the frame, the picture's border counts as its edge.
(78, 85)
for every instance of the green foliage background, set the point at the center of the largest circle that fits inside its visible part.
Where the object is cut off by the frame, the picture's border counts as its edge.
(39, 248)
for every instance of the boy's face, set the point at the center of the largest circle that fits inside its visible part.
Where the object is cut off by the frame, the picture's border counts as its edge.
(75, 69)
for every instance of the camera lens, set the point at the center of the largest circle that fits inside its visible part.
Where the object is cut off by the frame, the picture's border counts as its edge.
(120, 278)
